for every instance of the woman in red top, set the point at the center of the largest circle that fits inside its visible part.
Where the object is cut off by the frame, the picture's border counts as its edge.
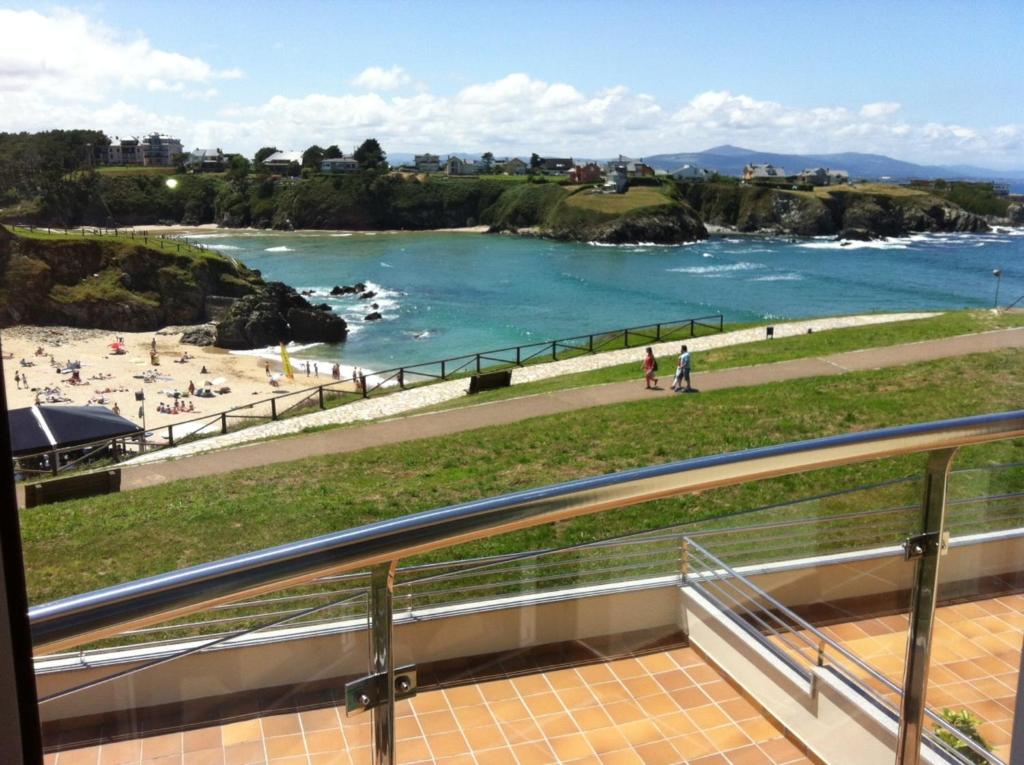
(650, 369)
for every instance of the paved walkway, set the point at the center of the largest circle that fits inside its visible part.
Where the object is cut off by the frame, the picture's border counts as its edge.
(513, 410)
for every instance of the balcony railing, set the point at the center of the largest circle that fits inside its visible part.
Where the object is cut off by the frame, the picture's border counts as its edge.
(232, 582)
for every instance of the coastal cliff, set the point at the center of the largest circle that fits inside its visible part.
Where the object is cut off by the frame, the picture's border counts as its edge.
(134, 285)
(653, 210)
(645, 213)
(865, 211)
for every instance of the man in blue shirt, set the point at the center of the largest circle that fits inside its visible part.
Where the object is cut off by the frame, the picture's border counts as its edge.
(682, 372)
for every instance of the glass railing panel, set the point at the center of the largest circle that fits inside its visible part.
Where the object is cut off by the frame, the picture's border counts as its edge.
(976, 644)
(821, 578)
(252, 681)
(552, 655)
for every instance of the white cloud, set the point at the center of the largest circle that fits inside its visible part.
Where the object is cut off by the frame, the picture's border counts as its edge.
(880, 109)
(64, 70)
(377, 78)
(68, 57)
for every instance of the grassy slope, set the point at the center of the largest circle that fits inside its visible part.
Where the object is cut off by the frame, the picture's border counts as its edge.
(635, 198)
(77, 546)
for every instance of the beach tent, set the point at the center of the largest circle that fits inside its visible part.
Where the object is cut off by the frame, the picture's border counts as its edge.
(39, 428)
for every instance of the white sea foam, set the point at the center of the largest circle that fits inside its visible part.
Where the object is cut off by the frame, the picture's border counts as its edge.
(778, 278)
(385, 265)
(282, 248)
(222, 247)
(718, 270)
(338, 235)
(706, 255)
(879, 244)
(641, 244)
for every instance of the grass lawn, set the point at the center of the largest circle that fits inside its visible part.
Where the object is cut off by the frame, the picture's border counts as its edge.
(78, 546)
(617, 204)
(870, 188)
(130, 238)
(767, 351)
(134, 170)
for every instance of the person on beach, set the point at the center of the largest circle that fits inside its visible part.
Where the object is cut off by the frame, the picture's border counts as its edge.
(24, 380)
(116, 409)
(682, 372)
(650, 370)
(191, 388)
(266, 367)
(17, 379)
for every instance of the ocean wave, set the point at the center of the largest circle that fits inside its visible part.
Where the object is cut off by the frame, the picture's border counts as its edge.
(778, 278)
(282, 248)
(385, 265)
(641, 244)
(716, 270)
(877, 244)
(706, 255)
(274, 351)
(221, 247)
(339, 235)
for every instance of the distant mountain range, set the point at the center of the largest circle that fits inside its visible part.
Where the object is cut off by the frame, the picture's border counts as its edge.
(729, 160)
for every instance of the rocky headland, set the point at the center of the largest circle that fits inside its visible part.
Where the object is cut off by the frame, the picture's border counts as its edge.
(134, 285)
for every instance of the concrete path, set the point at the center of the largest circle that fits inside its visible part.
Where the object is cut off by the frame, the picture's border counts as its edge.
(414, 427)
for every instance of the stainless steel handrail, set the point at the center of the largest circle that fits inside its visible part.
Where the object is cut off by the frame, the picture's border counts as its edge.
(82, 618)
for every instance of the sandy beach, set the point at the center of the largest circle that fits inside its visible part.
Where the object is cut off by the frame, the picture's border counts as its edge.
(111, 379)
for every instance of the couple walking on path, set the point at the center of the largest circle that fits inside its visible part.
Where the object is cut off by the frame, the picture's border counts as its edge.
(682, 372)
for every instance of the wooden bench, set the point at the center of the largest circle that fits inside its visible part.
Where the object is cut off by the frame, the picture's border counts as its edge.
(490, 381)
(72, 487)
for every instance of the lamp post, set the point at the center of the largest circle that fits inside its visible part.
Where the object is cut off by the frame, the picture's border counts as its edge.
(998, 273)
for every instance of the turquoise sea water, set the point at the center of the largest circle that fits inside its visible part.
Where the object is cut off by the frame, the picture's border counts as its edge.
(447, 294)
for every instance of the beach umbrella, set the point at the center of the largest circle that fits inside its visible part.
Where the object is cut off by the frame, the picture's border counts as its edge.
(46, 426)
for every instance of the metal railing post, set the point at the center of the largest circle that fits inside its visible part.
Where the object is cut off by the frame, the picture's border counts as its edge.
(382, 587)
(519, 362)
(554, 351)
(223, 422)
(56, 462)
(320, 396)
(691, 327)
(625, 335)
(685, 563)
(273, 408)
(443, 375)
(170, 435)
(926, 549)
(590, 343)
(478, 363)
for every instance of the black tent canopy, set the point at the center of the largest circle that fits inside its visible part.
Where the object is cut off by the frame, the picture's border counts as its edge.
(41, 428)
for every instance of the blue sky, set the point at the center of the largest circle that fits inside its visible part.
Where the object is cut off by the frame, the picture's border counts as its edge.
(930, 82)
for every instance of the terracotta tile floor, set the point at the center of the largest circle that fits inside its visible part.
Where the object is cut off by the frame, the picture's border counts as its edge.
(666, 707)
(975, 659)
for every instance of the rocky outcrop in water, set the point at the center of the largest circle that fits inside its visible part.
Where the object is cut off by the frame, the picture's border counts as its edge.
(276, 313)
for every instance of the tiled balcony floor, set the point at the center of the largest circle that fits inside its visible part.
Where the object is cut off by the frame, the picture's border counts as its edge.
(665, 707)
(976, 651)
